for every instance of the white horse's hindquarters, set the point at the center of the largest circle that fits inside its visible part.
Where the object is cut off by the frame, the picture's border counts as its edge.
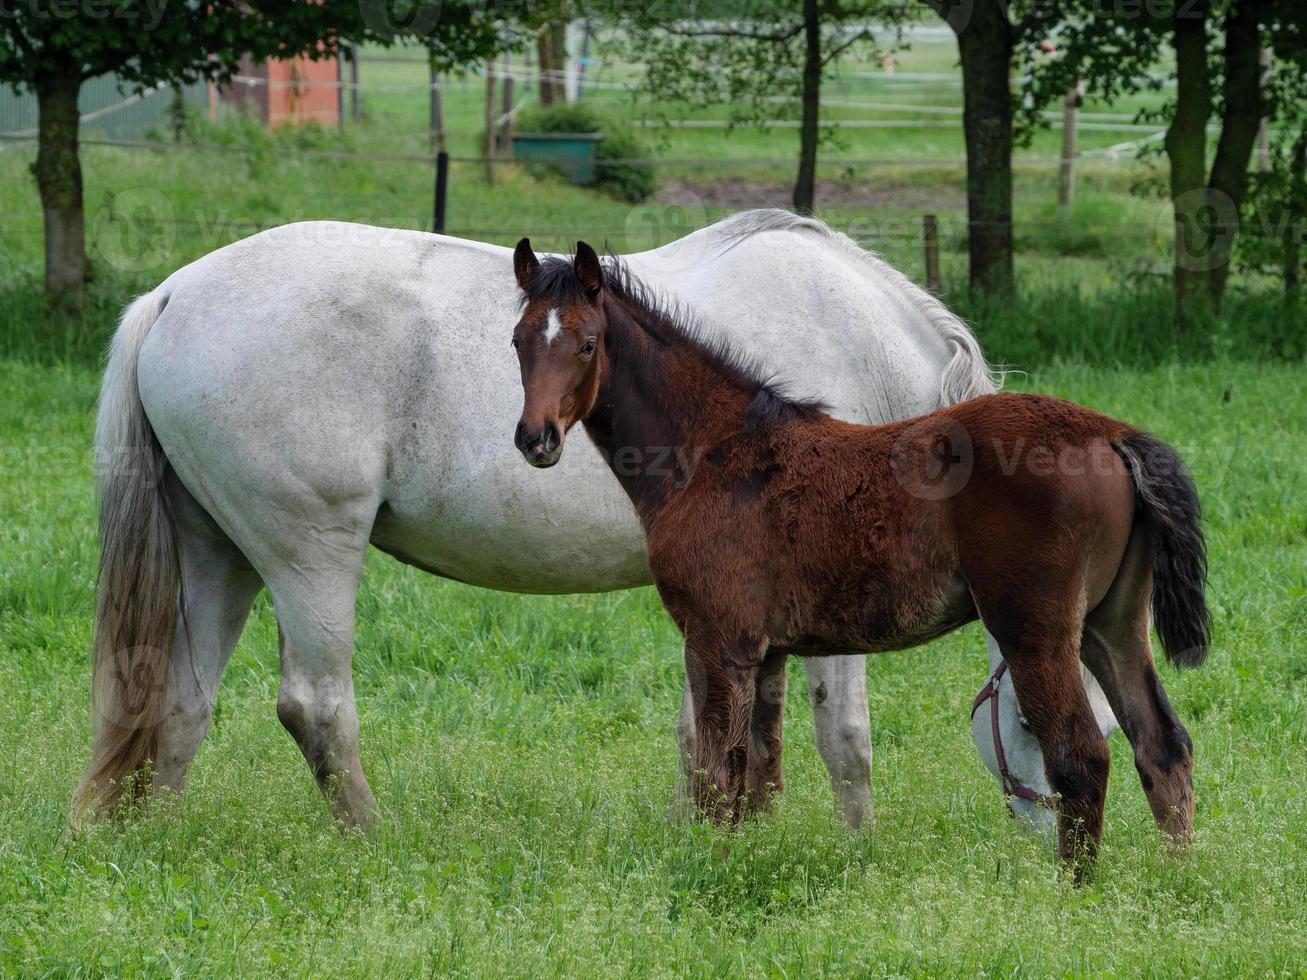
(276, 383)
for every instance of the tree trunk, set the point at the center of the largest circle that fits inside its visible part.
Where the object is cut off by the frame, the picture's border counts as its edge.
(59, 180)
(1186, 147)
(1240, 122)
(551, 49)
(505, 136)
(985, 45)
(545, 56)
(805, 186)
(1264, 127)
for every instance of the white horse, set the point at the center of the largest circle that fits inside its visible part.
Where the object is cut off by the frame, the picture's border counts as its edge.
(274, 407)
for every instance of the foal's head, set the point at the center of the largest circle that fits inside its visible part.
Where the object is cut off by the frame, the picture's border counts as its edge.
(559, 341)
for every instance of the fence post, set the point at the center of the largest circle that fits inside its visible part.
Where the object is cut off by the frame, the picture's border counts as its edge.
(488, 145)
(437, 112)
(177, 114)
(340, 88)
(930, 233)
(1292, 250)
(1066, 177)
(442, 190)
(585, 56)
(353, 80)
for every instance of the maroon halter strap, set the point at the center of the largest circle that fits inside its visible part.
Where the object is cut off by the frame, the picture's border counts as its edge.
(1010, 786)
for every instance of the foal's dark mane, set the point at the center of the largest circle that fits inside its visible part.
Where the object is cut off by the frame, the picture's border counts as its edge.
(671, 325)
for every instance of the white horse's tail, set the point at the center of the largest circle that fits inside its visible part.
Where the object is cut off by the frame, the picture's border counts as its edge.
(137, 606)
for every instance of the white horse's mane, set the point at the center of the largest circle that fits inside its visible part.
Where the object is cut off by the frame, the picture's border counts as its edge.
(967, 375)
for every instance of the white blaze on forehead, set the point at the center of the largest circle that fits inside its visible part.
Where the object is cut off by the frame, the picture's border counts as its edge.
(553, 325)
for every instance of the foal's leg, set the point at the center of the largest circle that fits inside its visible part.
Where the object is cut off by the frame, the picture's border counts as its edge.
(763, 779)
(722, 674)
(218, 586)
(1117, 650)
(838, 688)
(1045, 666)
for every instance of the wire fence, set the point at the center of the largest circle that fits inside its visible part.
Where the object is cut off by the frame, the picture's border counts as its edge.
(726, 163)
(115, 109)
(109, 108)
(114, 117)
(670, 212)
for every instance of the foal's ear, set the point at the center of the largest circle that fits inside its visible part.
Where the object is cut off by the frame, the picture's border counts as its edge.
(588, 269)
(525, 263)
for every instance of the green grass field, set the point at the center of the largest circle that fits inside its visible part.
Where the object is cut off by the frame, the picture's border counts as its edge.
(523, 748)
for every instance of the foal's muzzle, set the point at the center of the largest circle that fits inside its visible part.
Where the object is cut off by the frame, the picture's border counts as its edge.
(540, 448)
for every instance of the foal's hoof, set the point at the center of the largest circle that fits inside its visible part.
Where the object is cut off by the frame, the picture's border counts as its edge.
(760, 801)
(1080, 862)
(1179, 844)
(719, 811)
(681, 812)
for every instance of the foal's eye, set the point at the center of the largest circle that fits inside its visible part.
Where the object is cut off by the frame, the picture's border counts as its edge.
(1024, 724)
(588, 347)
(513, 343)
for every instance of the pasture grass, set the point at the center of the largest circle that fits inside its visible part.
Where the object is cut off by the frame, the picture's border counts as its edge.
(522, 749)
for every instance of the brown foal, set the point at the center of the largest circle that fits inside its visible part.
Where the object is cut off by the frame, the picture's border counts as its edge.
(774, 529)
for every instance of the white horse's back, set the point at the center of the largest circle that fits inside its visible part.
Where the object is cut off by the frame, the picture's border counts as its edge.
(344, 360)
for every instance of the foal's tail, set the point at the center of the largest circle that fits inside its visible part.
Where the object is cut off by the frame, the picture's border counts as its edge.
(137, 607)
(1169, 502)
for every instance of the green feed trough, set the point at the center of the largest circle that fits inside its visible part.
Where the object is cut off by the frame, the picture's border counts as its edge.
(573, 153)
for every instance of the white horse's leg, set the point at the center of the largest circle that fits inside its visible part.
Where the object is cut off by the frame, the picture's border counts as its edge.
(682, 807)
(316, 700)
(314, 592)
(219, 587)
(838, 687)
